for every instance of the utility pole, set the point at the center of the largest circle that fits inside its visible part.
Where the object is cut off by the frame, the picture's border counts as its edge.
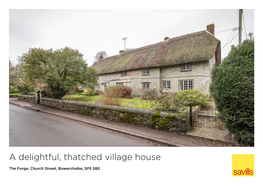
(240, 27)
(124, 39)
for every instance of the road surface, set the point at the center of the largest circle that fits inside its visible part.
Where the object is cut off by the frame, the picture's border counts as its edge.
(32, 128)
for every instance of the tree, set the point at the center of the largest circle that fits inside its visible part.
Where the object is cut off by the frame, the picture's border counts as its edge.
(232, 88)
(98, 55)
(12, 74)
(60, 69)
(15, 74)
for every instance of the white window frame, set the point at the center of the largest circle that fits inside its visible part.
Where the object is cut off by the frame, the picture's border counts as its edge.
(166, 85)
(145, 71)
(186, 67)
(145, 85)
(186, 84)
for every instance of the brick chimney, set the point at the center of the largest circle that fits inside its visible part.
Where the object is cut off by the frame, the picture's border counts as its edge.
(101, 57)
(166, 38)
(121, 51)
(211, 28)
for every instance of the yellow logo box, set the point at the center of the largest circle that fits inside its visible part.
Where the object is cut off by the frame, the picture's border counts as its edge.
(243, 165)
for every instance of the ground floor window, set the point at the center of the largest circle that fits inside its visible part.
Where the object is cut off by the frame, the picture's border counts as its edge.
(186, 84)
(119, 83)
(146, 86)
(166, 85)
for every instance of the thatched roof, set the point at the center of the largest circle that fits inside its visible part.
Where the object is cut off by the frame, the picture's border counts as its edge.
(193, 47)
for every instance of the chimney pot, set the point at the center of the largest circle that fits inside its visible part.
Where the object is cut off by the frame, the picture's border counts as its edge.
(211, 28)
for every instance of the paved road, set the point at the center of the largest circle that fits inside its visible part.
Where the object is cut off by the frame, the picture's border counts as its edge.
(32, 128)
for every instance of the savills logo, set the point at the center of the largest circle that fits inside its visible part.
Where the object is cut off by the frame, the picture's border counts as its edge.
(242, 164)
(246, 172)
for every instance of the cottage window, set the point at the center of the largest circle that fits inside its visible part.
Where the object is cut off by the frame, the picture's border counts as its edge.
(124, 73)
(119, 83)
(186, 84)
(166, 85)
(146, 86)
(186, 67)
(145, 71)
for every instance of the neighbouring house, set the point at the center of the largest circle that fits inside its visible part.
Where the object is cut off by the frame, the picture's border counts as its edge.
(175, 64)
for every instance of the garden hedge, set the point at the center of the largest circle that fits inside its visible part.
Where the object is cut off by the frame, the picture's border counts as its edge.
(232, 88)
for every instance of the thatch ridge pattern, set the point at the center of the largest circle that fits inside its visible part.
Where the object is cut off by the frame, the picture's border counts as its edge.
(193, 47)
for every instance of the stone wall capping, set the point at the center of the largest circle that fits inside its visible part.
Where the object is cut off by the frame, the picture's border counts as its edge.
(171, 122)
(28, 96)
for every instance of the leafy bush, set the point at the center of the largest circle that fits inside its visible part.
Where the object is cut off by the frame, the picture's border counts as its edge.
(89, 92)
(14, 90)
(166, 102)
(126, 92)
(25, 87)
(120, 91)
(161, 102)
(195, 97)
(112, 96)
(150, 94)
(232, 88)
(111, 88)
(100, 92)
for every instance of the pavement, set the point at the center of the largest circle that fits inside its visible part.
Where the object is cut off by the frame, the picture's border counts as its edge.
(196, 137)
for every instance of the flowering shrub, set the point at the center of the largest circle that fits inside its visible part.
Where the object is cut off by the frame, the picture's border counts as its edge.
(89, 92)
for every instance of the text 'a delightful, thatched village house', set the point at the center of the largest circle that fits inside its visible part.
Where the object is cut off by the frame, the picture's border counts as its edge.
(175, 64)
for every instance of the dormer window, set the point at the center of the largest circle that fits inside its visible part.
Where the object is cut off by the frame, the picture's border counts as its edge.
(145, 71)
(186, 67)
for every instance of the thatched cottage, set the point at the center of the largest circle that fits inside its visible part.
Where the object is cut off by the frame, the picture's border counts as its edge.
(175, 64)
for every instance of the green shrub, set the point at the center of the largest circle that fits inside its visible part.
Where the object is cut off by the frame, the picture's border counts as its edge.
(89, 92)
(195, 97)
(14, 90)
(150, 94)
(25, 87)
(232, 88)
(161, 102)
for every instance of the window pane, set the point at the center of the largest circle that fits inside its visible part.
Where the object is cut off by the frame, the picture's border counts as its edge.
(168, 84)
(182, 67)
(180, 85)
(190, 84)
(185, 85)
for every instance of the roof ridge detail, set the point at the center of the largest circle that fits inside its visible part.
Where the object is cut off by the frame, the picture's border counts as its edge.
(190, 47)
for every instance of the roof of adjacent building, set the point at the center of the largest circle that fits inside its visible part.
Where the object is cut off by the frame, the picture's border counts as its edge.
(199, 46)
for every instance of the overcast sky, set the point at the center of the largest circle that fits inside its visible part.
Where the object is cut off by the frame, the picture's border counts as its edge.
(93, 30)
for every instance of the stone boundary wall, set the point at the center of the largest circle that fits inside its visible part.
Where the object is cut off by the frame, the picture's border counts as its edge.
(28, 98)
(157, 120)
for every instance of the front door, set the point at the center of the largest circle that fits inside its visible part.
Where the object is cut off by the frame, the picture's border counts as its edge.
(104, 85)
